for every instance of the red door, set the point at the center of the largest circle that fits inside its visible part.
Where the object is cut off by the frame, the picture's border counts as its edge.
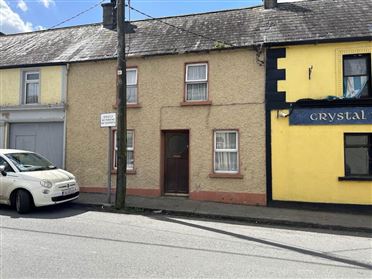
(176, 162)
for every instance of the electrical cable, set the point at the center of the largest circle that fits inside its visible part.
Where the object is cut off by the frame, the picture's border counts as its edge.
(77, 15)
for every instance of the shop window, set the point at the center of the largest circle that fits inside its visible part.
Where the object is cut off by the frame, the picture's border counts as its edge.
(130, 150)
(358, 154)
(31, 87)
(357, 76)
(196, 82)
(226, 157)
(132, 86)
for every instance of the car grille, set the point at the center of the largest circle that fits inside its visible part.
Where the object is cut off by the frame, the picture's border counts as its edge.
(62, 198)
(66, 186)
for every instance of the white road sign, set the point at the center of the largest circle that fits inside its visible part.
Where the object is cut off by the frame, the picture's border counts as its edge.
(108, 120)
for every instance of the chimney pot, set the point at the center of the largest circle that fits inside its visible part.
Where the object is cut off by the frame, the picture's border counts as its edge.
(109, 16)
(270, 4)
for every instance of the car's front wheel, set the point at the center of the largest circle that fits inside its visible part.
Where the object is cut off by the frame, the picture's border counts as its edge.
(23, 201)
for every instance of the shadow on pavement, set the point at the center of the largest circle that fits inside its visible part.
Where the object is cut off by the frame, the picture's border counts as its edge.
(46, 212)
(303, 251)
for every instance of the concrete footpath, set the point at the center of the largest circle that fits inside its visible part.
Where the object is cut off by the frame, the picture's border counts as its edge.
(332, 220)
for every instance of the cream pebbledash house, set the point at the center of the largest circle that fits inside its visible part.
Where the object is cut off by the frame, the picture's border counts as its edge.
(196, 112)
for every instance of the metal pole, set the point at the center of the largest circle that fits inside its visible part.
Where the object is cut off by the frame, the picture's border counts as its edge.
(109, 166)
(122, 109)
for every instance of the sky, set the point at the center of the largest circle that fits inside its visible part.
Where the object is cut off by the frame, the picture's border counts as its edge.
(30, 15)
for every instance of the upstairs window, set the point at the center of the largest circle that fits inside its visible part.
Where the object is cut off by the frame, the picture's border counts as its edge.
(358, 155)
(132, 86)
(130, 150)
(31, 87)
(226, 159)
(357, 76)
(196, 82)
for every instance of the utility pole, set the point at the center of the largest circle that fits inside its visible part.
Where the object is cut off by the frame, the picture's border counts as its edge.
(121, 84)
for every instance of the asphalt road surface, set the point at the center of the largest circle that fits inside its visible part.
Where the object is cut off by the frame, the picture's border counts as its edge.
(73, 242)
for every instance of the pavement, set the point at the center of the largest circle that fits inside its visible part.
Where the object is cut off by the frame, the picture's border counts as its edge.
(331, 219)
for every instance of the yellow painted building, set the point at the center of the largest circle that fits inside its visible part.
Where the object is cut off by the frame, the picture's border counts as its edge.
(320, 120)
(32, 105)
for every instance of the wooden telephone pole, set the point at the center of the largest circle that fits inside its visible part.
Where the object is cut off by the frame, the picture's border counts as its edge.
(121, 180)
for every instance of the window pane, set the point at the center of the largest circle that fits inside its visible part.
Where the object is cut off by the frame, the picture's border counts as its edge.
(226, 161)
(129, 139)
(226, 140)
(33, 76)
(32, 91)
(355, 66)
(130, 160)
(356, 87)
(131, 94)
(131, 77)
(357, 161)
(196, 92)
(197, 72)
(356, 140)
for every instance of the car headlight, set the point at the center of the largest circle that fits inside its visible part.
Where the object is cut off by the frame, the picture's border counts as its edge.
(46, 183)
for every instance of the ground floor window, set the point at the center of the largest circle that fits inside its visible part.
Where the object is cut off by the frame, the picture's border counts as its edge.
(130, 150)
(226, 157)
(358, 154)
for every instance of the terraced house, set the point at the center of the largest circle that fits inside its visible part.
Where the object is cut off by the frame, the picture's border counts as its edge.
(208, 97)
(319, 99)
(32, 102)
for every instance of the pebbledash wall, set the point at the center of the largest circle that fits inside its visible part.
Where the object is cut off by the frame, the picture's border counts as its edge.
(308, 161)
(236, 90)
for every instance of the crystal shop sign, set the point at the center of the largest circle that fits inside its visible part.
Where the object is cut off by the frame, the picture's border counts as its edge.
(331, 116)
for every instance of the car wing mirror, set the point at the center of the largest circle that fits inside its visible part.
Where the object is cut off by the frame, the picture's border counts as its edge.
(2, 170)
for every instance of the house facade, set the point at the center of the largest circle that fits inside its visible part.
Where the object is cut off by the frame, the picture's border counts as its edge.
(195, 125)
(318, 106)
(32, 105)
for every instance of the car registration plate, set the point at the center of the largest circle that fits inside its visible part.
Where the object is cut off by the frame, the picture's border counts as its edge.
(68, 191)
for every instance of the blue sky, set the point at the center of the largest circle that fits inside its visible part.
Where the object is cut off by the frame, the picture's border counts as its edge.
(28, 15)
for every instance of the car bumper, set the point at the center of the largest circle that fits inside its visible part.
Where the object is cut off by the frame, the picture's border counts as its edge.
(56, 196)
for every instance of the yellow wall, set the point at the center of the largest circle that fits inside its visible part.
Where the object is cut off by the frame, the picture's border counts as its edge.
(9, 87)
(326, 78)
(50, 85)
(308, 160)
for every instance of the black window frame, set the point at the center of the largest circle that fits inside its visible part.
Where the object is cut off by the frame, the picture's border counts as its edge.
(356, 56)
(369, 146)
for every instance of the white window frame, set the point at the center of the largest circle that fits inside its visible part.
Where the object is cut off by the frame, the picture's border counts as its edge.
(134, 84)
(114, 157)
(215, 150)
(26, 81)
(195, 81)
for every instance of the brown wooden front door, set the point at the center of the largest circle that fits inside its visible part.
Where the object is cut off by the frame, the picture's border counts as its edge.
(176, 162)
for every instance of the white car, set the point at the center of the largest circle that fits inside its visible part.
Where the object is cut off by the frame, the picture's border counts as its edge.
(28, 179)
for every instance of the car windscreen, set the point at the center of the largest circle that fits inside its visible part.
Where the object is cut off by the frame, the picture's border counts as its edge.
(29, 162)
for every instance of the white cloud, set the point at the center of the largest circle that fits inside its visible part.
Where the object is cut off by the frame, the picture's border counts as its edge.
(11, 22)
(47, 3)
(39, 27)
(22, 5)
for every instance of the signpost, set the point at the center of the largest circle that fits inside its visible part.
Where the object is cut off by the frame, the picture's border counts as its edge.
(108, 120)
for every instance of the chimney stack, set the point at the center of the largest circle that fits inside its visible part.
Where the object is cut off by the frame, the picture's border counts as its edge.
(109, 15)
(270, 4)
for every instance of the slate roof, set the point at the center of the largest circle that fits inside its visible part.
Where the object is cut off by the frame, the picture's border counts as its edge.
(300, 22)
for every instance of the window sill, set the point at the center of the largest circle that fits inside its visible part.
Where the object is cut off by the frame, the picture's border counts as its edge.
(355, 178)
(199, 103)
(128, 106)
(226, 175)
(129, 172)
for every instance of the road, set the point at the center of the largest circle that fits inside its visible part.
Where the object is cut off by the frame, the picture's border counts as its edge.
(74, 242)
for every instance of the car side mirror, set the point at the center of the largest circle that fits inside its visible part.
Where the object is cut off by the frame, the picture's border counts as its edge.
(2, 170)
